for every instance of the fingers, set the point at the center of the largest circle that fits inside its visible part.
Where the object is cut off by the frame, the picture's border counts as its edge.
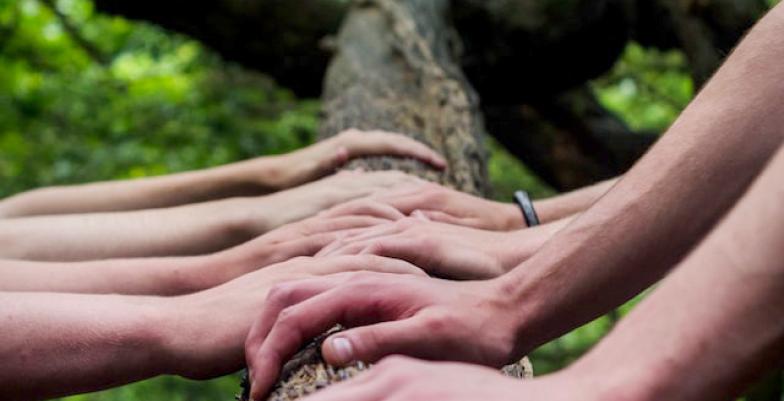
(365, 207)
(371, 343)
(376, 143)
(441, 217)
(300, 312)
(366, 263)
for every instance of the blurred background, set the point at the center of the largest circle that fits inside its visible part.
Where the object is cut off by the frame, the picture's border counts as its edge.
(573, 91)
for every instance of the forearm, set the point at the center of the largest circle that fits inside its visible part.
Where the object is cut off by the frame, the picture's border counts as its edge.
(137, 276)
(516, 247)
(58, 344)
(253, 177)
(557, 207)
(184, 230)
(570, 203)
(715, 323)
(667, 202)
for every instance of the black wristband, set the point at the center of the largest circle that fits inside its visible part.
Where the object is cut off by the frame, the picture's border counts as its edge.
(527, 207)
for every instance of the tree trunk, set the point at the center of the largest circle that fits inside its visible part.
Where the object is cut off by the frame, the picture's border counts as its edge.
(395, 68)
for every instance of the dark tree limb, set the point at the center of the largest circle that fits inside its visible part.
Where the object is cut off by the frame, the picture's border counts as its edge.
(568, 140)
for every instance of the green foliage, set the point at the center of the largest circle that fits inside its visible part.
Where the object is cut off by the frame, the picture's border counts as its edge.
(161, 103)
(647, 88)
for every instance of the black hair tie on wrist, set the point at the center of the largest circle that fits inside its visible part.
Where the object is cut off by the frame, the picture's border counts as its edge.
(527, 207)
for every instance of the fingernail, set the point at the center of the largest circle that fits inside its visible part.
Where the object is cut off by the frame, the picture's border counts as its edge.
(343, 350)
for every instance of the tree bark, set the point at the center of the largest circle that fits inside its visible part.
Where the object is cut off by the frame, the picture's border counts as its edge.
(396, 68)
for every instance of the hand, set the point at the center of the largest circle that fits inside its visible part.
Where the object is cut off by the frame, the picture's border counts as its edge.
(403, 379)
(302, 238)
(443, 250)
(205, 331)
(324, 157)
(446, 205)
(272, 211)
(418, 316)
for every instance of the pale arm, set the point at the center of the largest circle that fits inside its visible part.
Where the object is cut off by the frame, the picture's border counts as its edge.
(182, 274)
(246, 178)
(183, 230)
(571, 203)
(58, 344)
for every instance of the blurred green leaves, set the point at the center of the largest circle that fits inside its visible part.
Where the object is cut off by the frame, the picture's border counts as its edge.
(160, 102)
(647, 88)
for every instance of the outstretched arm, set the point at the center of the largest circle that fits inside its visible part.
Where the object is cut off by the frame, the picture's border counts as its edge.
(184, 230)
(715, 323)
(184, 274)
(58, 344)
(247, 178)
(446, 205)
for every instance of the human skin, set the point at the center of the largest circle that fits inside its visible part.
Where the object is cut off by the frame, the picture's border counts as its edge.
(253, 177)
(56, 344)
(195, 229)
(446, 250)
(705, 333)
(187, 274)
(447, 205)
(624, 243)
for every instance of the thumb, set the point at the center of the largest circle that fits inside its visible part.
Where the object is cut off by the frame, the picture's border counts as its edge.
(372, 343)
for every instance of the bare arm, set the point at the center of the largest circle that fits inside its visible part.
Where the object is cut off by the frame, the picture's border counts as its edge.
(715, 323)
(571, 203)
(184, 230)
(669, 201)
(58, 344)
(183, 274)
(246, 178)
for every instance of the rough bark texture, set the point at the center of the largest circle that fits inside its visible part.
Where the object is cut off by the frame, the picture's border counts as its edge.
(396, 68)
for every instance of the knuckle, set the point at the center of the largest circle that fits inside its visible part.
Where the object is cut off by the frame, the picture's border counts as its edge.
(280, 293)
(439, 323)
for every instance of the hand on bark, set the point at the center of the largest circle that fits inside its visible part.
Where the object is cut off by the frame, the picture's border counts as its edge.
(205, 331)
(324, 157)
(308, 200)
(411, 315)
(446, 205)
(404, 379)
(302, 238)
(443, 250)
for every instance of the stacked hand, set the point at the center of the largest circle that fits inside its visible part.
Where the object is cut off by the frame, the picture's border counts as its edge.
(446, 205)
(443, 250)
(205, 331)
(398, 314)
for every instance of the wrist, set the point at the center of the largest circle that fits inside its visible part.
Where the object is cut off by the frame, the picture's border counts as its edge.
(511, 216)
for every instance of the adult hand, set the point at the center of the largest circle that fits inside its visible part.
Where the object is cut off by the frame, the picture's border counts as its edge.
(272, 211)
(404, 379)
(206, 331)
(443, 250)
(447, 205)
(418, 316)
(324, 157)
(302, 238)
